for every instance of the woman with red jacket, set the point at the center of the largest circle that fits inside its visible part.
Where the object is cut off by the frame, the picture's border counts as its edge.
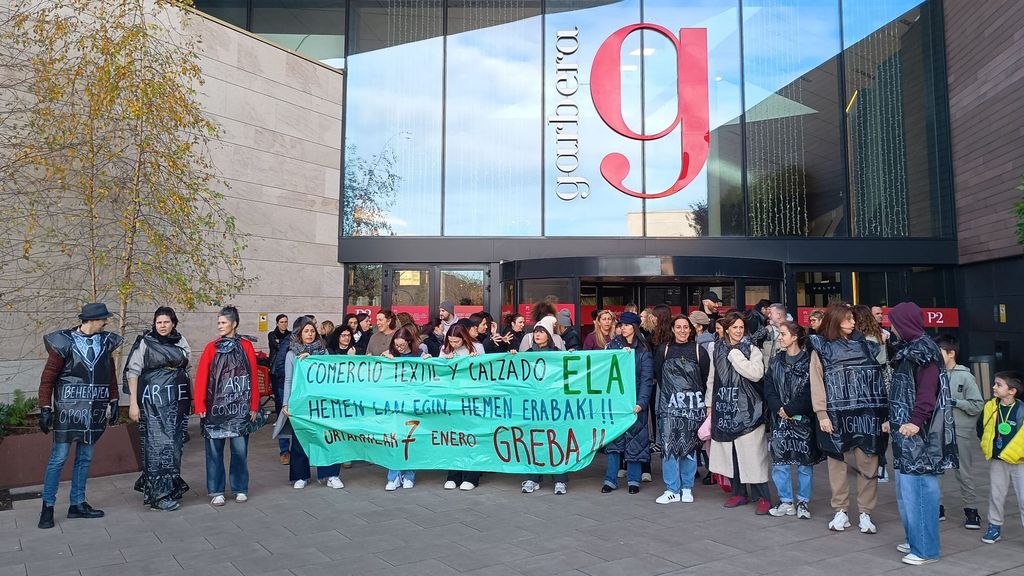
(226, 402)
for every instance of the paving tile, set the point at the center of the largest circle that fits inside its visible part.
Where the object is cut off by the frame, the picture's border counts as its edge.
(555, 562)
(349, 566)
(483, 557)
(280, 561)
(637, 566)
(230, 554)
(177, 546)
(75, 562)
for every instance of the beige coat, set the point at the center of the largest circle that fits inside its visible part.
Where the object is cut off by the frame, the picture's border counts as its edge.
(751, 449)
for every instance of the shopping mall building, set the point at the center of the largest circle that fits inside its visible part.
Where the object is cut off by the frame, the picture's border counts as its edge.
(597, 152)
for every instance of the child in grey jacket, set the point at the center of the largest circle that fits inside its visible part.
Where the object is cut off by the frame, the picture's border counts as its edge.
(967, 404)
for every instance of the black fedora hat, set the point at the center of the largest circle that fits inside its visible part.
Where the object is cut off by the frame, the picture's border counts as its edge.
(94, 311)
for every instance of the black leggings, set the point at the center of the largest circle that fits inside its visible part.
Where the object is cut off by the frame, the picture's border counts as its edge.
(749, 491)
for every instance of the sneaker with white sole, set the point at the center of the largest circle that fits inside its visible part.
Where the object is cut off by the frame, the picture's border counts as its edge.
(560, 488)
(802, 511)
(392, 485)
(904, 548)
(450, 485)
(866, 526)
(335, 482)
(217, 501)
(646, 477)
(529, 486)
(883, 476)
(668, 497)
(993, 534)
(467, 486)
(686, 495)
(783, 509)
(915, 560)
(622, 473)
(406, 483)
(241, 497)
(839, 522)
(300, 484)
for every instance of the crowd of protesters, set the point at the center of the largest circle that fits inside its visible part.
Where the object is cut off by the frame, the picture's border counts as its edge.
(750, 396)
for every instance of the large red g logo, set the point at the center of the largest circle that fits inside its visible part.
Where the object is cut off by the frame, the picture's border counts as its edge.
(692, 96)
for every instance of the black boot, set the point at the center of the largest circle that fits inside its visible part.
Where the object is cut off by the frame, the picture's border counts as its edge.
(46, 517)
(83, 510)
(973, 521)
(942, 513)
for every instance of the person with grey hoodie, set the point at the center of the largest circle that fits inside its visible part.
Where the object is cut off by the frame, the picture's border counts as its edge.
(967, 404)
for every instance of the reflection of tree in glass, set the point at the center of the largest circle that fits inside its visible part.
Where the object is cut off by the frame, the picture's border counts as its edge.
(700, 217)
(364, 284)
(463, 287)
(369, 194)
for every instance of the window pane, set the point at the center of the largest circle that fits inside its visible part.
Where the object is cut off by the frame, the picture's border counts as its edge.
(410, 292)
(555, 291)
(896, 119)
(878, 288)
(230, 11)
(817, 289)
(577, 129)
(492, 115)
(711, 204)
(795, 172)
(393, 119)
(362, 285)
(315, 28)
(465, 288)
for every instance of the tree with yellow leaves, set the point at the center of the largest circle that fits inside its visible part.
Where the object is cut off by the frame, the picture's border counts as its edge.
(105, 175)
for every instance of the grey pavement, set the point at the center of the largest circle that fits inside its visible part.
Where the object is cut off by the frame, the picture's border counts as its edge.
(493, 530)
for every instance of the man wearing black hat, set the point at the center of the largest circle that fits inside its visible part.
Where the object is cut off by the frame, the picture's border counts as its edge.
(709, 304)
(77, 388)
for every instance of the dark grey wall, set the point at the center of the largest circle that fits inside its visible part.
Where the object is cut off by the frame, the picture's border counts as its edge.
(982, 288)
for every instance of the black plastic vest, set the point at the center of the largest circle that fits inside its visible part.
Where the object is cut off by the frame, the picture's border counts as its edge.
(82, 391)
(857, 402)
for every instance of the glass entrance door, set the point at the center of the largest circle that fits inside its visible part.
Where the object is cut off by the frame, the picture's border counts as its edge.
(410, 292)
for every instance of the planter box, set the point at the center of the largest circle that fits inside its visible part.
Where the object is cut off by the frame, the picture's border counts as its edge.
(117, 452)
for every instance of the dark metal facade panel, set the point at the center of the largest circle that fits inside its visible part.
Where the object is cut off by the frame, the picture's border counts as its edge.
(789, 251)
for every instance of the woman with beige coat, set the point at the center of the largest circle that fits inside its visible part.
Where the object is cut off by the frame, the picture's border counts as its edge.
(739, 446)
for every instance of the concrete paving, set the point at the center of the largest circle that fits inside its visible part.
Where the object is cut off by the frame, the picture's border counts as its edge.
(493, 530)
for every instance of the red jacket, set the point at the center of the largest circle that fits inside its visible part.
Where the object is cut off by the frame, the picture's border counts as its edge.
(203, 376)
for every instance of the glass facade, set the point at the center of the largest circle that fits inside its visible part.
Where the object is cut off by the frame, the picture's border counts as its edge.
(656, 118)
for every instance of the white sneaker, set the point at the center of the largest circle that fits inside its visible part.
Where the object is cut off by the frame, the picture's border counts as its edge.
(450, 485)
(299, 484)
(802, 511)
(840, 522)
(905, 548)
(335, 482)
(883, 476)
(241, 497)
(560, 488)
(915, 560)
(217, 501)
(646, 477)
(467, 486)
(686, 495)
(668, 497)
(622, 473)
(529, 486)
(392, 485)
(866, 527)
(406, 483)
(783, 509)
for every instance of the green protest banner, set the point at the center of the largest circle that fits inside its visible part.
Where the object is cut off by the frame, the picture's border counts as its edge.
(541, 412)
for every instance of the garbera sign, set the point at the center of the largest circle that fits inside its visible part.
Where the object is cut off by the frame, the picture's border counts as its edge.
(692, 114)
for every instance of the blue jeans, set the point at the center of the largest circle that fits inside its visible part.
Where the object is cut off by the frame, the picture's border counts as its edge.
(298, 466)
(51, 481)
(918, 500)
(611, 475)
(782, 474)
(678, 471)
(239, 471)
(409, 475)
